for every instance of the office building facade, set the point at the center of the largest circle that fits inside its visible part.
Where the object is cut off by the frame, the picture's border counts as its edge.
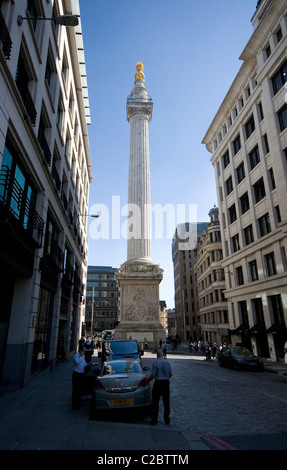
(45, 172)
(102, 300)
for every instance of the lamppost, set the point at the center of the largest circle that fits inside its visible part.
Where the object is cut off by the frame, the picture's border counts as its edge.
(64, 20)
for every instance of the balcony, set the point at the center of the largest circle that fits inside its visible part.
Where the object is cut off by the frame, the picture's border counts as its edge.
(5, 38)
(16, 202)
(44, 145)
(21, 83)
(54, 254)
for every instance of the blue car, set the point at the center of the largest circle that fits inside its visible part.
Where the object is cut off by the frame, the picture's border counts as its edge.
(120, 349)
(239, 358)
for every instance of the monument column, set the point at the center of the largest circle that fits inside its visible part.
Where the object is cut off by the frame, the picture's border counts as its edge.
(139, 277)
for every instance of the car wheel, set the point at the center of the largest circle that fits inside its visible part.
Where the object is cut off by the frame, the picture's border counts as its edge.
(236, 365)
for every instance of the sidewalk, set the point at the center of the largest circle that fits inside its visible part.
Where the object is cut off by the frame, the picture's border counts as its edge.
(39, 417)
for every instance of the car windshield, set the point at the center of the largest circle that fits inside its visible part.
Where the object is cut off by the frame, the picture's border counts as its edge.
(121, 367)
(241, 351)
(121, 348)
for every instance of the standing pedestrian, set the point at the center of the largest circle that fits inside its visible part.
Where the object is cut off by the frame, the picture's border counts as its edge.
(78, 378)
(161, 372)
(164, 349)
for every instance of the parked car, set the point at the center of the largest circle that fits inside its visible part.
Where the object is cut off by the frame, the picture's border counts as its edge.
(239, 358)
(120, 349)
(121, 384)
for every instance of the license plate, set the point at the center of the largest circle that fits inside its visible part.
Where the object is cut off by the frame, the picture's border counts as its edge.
(122, 401)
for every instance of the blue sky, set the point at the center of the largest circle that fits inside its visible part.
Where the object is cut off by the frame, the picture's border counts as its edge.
(190, 50)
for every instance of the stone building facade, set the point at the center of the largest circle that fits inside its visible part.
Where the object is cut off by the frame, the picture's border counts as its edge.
(248, 142)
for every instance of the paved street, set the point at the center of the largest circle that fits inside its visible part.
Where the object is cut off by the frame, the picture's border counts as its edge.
(211, 407)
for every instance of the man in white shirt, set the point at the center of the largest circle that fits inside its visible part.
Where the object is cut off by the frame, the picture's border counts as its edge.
(161, 372)
(78, 377)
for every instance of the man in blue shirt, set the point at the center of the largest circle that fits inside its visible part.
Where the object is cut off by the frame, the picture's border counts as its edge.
(161, 372)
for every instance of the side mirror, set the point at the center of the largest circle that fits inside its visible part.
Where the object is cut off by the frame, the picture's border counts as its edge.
(146, 368)
(142, 352)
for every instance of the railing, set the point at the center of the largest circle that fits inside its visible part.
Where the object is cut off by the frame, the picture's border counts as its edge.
(54, 252)
(5, 38)
(69, 272)
(26, 97)
(140, 100)
(15, 200)
(56, 178)
(64, 199)
(44, 145)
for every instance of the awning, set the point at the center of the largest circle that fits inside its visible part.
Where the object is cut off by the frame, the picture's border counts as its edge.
(243, 327)
(258, 328)
(276, 328)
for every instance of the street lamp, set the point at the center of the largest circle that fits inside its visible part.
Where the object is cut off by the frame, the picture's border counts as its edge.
(64, 20)
(89, 215)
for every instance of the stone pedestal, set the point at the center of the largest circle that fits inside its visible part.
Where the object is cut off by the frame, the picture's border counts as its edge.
(139, 303)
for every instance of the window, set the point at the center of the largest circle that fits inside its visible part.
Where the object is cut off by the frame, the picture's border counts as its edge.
(279, 35)
(270, 264)
(250, 127)
(267, 51)
(280, 78)
(22, 82)
(282, 116)
(258, 310)
(240, 172)
(236, 144)
(259, 190)
(277, 308)
(244, 201)
(248, 234)
(48, 72)
(71, 102)
(264, 225)
(235, 243)
(225, 159)
(60, 112)
(266, 144)
(43, 141)
(229, 185)
(32, 12)
(253, 270)
(261, 113)
(51, 73)
(65, 68)
(254, 158)
(239, 274)
(242, 308)
(271, 178)
(278, 214)
(232, 213)
(67, 144)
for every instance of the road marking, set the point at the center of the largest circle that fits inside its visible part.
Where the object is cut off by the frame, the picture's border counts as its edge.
(218, 443)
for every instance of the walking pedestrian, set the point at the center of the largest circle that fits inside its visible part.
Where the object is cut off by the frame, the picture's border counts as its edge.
(161, 372)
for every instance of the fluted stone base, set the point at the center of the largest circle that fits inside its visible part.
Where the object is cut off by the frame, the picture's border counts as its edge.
(139, 302)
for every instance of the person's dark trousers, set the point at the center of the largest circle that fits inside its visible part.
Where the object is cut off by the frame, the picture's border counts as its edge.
(77, 380)
(160, 389)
